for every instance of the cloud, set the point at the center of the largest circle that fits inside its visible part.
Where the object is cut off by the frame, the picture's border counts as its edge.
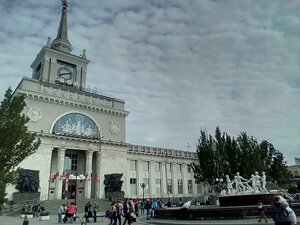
(180, 66)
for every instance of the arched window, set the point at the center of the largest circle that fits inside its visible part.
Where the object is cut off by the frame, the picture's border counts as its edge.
(76, 124)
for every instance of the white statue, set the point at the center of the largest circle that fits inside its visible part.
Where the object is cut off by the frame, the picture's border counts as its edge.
(264, 182)
(253, 183)
(229, 185)
(239, 186)
(257, 179)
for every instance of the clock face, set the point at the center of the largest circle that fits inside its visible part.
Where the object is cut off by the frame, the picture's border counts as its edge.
(65, 72)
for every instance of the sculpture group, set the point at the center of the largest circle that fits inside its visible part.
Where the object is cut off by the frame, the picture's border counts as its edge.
(240, 185)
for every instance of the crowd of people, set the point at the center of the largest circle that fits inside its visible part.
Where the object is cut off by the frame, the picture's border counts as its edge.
(129, 209)
(36, 209)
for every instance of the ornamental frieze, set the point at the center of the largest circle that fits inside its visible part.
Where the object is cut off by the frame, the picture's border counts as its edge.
(76, 96)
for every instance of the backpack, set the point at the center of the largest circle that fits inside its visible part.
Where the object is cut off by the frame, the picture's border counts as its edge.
(108, 214)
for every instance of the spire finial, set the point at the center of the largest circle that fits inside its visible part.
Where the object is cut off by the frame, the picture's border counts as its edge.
(61, 41)
(48, 42)
(64, 4)
(83, 54)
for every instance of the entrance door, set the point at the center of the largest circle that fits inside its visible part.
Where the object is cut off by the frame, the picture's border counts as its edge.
(69, 192)
(71, 189)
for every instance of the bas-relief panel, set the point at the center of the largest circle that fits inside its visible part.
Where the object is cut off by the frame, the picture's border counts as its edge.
(75, 96)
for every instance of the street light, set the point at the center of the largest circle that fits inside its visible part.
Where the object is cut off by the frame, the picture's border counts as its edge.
(77, 175)
(143, 185)
(76, 188)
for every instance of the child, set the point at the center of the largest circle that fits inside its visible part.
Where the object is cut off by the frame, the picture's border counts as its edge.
(262, 212)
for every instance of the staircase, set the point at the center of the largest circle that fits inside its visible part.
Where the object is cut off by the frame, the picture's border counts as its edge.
(52, 206)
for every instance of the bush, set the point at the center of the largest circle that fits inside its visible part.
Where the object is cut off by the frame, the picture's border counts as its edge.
(44, 214)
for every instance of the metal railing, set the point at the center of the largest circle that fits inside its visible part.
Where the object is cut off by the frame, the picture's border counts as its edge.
(9, 209)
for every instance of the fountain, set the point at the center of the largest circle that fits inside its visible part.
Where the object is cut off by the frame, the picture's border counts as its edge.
(237, 199)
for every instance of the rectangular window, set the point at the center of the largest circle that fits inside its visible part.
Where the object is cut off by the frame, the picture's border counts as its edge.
(74, 160)
(190, 190)
(132, 164)
(158, 186)
(147, 188)
(133, 188)
(178, 168)
(157, 166)
(146, 166)
(180, 187)
(189, 168)
(169, 188)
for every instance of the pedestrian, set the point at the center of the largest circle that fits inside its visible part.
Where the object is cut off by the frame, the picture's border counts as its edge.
(72, 210)
(148, 207)
(169, 203)
(291, 214)
(60, 212)
(95, 207)
(262, 212)
(119, 211)
(279, 213)
(127, 210)
(142, 207)
(88, 211)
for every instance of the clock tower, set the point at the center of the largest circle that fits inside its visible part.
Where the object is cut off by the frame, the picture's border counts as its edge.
(55, 64)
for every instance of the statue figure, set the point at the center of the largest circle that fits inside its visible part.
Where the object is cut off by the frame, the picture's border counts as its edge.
(229, 185)
(253, 183)
(239, 185)
(264, 182)
(113, 182)
(257, 179)
(28, 180)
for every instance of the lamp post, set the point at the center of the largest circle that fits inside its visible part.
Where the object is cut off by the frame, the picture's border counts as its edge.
(76, 188)
(143, 185)
(218, 185)
(77, 175)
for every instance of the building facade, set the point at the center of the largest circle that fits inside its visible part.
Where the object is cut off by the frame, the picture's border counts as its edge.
(82, 134)
(295, 169)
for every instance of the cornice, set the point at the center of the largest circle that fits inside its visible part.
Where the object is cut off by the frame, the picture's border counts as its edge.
(75, 100)
(161, 152)
(53, 137)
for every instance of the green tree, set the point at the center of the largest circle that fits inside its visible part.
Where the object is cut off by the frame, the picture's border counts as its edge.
(224, 155)
(16, 142)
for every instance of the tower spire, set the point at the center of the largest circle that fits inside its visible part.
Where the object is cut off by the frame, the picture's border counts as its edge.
(61, 41)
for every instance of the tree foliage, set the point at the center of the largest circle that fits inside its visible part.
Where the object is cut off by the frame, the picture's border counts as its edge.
(16, 142)
(223, 155)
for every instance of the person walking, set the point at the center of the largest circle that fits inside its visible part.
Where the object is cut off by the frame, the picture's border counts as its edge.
(127, 210)
(262, 212)
(279, 213)
(292, 218)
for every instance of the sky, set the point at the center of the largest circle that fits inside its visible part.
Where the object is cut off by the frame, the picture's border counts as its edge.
(181, 66)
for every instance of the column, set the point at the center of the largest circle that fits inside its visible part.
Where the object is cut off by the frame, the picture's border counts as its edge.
(174, 180)
(163, 176)
(60, 171)
(139, 179)
(88, 171)
(183, 177)
(97, 177)
(151, 185)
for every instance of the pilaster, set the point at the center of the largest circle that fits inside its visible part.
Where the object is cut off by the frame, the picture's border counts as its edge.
(60, 170)
(88, 171)
(183, 177)
(174, 181)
